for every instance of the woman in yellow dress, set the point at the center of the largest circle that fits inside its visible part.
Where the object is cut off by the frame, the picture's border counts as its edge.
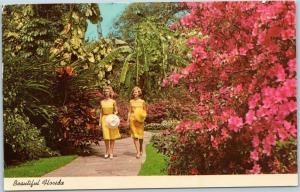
(136, 127)
(108, 106)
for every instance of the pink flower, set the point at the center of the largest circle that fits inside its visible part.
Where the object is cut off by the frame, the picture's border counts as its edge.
(193, 41)
(249, 46)
(288, 34)
(254, 155)
(187, 20)
(215, 142)
(261, 112)
(290, 87)
(252, 101)
(197, 125)
(290, 53)
(211, 126)
(224, 76)
(283, 111)
(292, 65)
(281, 94)
(291, 83)
(255, 141)
(250, 117)
(279, 72)
(268, 102)
(268, 92)
(270, 140)
(175, 77)
(282, 133)
(224, 90)
(243, 51)
(174, 26)
(189, 69)
(165, 83)
(255, 169)
(290, 128)
(235, 123)
(199, 51)
(267, 149)
(292, 106)
(238, 89)
(225, 133)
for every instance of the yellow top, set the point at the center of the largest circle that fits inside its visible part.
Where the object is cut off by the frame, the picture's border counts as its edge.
(137, 104)
(108, 106)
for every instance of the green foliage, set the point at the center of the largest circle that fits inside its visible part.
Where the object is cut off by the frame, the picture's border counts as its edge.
(37, 40)
(156, 52)
(37, 168)
(22, 139)
(136, 12)
(155, 164)
(163, 142)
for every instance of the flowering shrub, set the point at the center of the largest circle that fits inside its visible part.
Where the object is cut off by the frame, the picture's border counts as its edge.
(243, 71)
(194, 150)
(181, 104)
(156, 111)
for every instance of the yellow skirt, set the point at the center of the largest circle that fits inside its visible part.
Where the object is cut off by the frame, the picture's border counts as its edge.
(136, 128)
(109, 134)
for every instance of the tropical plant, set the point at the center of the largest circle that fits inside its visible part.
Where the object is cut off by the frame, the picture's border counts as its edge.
(135, 13)
(22, 140)
(156, 50)
(31, 36)
(27, 78)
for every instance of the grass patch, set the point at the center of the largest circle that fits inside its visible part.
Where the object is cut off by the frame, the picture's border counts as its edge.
(38, 168)
(155, 164)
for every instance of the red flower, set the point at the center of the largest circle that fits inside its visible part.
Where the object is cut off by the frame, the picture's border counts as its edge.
(194, 171)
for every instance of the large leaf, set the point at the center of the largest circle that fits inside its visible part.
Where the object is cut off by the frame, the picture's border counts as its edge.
(114, 53)
(125, 68)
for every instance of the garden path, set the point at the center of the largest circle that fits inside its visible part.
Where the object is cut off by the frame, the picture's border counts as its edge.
(124, 162)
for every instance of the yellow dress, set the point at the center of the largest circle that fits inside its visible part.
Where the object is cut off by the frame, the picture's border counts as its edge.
(137, 128)
(107, 107)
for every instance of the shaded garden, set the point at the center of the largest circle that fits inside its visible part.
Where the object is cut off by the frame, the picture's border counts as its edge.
(219, 80)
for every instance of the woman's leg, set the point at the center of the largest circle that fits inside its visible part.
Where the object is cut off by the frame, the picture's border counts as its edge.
(106, 148)
(112, 145)
(137, 147)
(141, 145)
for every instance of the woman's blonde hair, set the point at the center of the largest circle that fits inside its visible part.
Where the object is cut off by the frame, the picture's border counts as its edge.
(136, 88)
(111, 91)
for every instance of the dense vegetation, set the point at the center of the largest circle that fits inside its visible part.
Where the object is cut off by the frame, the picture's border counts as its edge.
(219, 79)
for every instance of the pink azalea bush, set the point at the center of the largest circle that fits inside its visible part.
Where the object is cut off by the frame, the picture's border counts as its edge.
(244, 75)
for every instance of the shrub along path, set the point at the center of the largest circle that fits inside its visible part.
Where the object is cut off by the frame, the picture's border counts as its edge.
(124, 162)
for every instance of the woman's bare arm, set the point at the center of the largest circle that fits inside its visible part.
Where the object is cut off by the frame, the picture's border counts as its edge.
(115, 108)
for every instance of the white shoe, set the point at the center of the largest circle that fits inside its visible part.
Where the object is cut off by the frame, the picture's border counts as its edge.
(111, 156)
(106, 156)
